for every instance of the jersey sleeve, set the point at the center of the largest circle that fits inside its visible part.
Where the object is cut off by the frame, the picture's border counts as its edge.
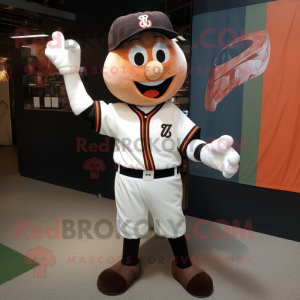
(106, 119)
(89, 115)
(187, 130)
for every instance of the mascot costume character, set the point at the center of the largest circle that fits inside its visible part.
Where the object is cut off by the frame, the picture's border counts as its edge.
(144, 68)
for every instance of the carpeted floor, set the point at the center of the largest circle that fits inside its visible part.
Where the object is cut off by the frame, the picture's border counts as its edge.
(262, 267)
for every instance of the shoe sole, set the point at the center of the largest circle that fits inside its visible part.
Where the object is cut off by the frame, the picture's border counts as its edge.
(110, 294)
(201, 296)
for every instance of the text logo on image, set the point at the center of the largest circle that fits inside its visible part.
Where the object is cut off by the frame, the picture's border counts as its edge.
(144, 22)
(166, 130)
(43, 258)
(94, 165)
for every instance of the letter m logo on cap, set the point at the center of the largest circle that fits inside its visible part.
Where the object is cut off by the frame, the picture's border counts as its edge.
(144, 22)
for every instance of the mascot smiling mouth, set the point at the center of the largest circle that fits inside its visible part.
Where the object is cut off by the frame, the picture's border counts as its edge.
(153, 89)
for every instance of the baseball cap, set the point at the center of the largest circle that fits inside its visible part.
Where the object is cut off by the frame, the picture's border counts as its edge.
(127, 26)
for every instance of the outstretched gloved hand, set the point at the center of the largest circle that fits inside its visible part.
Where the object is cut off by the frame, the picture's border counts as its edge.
(221, 156)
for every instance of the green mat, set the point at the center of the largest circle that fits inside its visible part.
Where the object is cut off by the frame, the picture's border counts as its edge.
(12, 264)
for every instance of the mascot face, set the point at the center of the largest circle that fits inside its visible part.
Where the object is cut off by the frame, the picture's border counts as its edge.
(146, 70)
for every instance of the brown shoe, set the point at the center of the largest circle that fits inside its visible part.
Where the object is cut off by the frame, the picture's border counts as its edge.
(117, 279)
(195, 280)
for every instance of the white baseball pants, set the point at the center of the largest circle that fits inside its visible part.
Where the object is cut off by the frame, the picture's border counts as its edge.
(162, 197)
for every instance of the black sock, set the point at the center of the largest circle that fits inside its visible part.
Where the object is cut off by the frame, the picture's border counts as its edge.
(180, 251)
(130, 252)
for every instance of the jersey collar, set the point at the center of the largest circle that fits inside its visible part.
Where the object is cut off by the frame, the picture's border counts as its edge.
(157, 108)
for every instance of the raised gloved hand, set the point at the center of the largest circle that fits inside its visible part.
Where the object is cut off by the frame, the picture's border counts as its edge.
(221, 156)
(65, 55)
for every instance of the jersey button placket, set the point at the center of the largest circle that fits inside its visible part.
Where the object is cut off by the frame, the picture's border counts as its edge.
(145, 136)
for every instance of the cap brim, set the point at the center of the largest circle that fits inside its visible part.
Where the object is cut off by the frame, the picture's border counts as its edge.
(168, 33)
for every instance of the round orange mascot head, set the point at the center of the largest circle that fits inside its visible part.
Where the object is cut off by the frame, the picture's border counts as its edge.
(144, 66)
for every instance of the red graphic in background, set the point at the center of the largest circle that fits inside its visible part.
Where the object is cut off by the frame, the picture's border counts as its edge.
(41, 67)
(94, 165)
(232, 67)
(43, 257)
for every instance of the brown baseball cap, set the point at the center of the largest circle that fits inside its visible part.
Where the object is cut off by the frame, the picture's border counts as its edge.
(125, 27)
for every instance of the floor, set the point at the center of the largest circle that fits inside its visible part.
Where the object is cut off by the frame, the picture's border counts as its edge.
(253, 266)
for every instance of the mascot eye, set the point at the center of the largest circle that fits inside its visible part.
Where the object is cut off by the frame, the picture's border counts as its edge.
(138, 56)
(161, 52)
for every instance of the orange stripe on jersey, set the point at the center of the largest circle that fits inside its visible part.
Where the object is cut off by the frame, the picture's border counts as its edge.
(188, 138)
(97, 115)
(143, 139)
(147, 138)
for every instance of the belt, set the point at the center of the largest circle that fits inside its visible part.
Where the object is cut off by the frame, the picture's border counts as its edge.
(148, 174)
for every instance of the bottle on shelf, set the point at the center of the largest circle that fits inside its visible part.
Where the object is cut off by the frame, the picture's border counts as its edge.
(38, 98)
(47, 98)
(41, 95)
(55, 96)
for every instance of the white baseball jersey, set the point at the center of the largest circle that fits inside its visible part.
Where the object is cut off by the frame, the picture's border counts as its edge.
(145, 140)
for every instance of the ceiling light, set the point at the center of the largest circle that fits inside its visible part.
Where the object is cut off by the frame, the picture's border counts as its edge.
(27, 34)
(181, 38)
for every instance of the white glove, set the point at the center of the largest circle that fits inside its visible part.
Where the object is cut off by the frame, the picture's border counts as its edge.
(221, 156)
(65, 55)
